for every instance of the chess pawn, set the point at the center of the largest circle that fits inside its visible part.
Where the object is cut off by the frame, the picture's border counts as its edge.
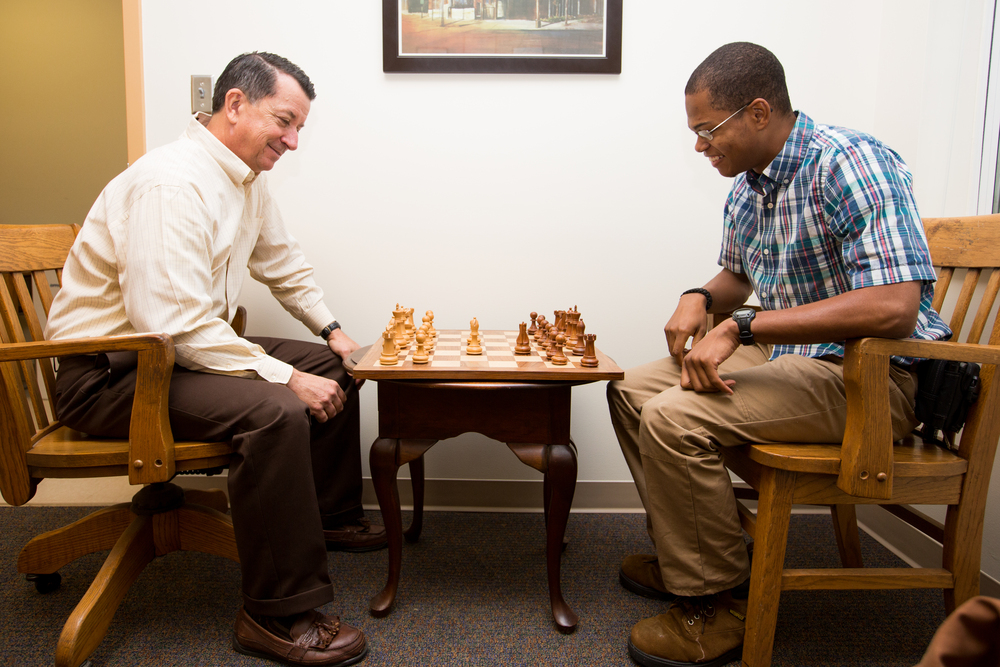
(523, 345)
(581, 344)
(430, 324)
(389, 355)
(550, 341)
(557, 357)
(540, 332)
(420, 354)
(472, 346)
(534, 324)
(590, 356)
(426, 326)
(428, 338)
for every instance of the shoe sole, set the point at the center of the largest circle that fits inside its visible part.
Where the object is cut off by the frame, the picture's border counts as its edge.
(646, 660)
(645, 591)
(240, 648)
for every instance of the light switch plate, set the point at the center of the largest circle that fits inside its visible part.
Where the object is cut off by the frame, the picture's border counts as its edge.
(201, 93)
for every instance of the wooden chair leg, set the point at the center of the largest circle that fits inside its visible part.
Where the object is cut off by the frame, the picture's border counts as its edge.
(207, 531)
(962, 551)
(89, 621)
(774, 510)
(99, 531)
(845, 527)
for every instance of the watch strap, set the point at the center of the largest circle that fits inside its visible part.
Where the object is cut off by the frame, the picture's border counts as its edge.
(329, 329)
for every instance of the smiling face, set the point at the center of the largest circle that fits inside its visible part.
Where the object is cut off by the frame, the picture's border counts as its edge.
(261, 132)
(735, 146)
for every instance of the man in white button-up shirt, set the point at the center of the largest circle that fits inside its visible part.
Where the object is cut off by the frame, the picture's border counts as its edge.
(166, 248)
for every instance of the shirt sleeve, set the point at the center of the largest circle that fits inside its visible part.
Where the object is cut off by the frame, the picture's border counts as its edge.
(869, 204)
(166, 284)
(278, 262)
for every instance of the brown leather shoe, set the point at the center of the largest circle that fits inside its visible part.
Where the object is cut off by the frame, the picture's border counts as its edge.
(313, 639)
(640, 574)
(695, 632)
(359, 536)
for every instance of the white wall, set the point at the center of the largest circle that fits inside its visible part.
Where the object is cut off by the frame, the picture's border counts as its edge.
(495, 195)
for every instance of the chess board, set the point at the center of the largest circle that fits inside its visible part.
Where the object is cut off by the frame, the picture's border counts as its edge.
(449, 361)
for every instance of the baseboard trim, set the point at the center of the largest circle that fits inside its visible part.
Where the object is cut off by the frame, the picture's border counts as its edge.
(479, 495)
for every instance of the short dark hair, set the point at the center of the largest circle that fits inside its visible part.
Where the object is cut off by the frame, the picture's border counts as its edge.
(256, 74)
(738, 73)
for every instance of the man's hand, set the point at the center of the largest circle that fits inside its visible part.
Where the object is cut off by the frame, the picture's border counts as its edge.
(689, 320)
(341, 344)
(322, 396)
(700, 366)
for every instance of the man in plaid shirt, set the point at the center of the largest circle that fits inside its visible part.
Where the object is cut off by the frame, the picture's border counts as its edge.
(822, 227)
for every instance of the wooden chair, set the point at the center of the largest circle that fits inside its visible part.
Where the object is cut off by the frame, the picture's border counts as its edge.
(33, 446)
(868, 468)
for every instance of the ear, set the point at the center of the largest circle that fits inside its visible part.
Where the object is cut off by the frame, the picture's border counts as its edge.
(759, 113)
(233, 106)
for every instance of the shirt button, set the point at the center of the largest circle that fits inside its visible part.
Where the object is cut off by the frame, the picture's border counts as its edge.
(770, 205)
(766, 251)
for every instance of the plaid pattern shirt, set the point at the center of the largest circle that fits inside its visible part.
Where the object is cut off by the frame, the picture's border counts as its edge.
(834, 211)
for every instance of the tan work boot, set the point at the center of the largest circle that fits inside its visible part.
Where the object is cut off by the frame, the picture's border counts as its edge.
(702, 631)
(640, 574)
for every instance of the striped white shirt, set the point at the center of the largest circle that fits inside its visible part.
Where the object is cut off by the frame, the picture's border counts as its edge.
(166, 248)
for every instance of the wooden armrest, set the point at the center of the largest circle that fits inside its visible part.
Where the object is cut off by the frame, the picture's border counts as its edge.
(929, 349)
(866, 454)
(151, 454)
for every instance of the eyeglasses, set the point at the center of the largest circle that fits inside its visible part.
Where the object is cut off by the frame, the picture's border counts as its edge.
(707, 134)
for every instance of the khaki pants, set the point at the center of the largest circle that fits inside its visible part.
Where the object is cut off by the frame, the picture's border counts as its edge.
(671, 438)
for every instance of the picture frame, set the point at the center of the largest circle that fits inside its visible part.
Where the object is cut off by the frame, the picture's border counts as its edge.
(502, 36)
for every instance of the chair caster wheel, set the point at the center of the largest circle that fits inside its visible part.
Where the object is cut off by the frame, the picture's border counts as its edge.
(45, 583)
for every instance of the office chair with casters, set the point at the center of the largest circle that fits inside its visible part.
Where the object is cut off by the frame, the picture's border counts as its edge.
(868, 468)
(34, 446)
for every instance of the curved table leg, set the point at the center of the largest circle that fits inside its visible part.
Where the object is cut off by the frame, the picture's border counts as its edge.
(383, 459)
(412, 533)
(560, 481)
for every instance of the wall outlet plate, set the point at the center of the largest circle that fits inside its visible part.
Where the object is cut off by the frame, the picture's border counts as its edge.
(201, 93)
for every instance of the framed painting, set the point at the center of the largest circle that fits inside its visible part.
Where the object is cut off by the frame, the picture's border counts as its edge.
(502, 36)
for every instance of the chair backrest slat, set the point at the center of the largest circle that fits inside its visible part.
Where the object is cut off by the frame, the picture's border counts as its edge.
(985, 308)
(31, 257)
(944, 276)
(964, 300)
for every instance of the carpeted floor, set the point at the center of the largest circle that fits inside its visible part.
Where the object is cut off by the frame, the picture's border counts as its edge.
(473, 592)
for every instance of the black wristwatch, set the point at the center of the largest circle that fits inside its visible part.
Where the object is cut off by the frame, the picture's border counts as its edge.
(329, 329)
(743, 317)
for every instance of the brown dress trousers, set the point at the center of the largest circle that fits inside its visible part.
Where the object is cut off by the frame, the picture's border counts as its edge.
(290, 477)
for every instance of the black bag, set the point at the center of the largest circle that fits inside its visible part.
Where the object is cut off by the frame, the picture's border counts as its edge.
(945, 392)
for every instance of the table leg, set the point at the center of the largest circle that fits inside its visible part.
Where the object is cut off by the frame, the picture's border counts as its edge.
(384, 467)
(560, 483)
(412, 533)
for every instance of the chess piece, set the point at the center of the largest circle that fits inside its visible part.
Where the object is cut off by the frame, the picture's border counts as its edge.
(557, 357)
(523, 345)
(399, 319)
(540, 332)
(410, 329)
(430, 324)
(472, 346)
(550, 341)
(561, 320)
(389, 355)
(420, 354)
(572, 327)
(590, 356)
(429, 341)
(534, 324)
(581, 344)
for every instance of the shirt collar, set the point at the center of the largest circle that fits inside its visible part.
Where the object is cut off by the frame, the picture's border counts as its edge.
(787, 162)
(235, 168)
